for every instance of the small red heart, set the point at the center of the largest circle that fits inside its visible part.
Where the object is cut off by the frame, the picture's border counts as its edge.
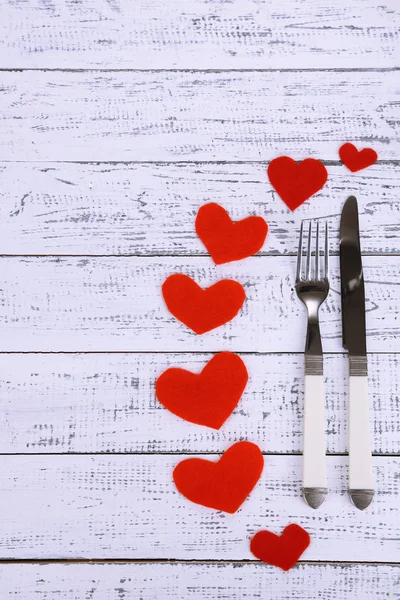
(207, 398)
(354, 159)
(225, 240)
(280, 550)
(222, 485)
(202, 310)
(296, 182)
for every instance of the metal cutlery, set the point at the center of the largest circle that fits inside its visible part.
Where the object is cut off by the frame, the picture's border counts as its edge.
(361, 485)
(312, 288)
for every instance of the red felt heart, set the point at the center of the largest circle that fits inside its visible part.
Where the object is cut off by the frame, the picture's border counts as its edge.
(223, 485)
(207, 398)
(354, 159)
(226, 240)
(296, 182)
(280, 550)
(202, 310)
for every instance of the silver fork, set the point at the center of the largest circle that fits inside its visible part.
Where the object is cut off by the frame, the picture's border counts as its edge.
(312, 287)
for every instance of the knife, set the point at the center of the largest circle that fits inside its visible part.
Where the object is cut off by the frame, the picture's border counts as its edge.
(361, 484)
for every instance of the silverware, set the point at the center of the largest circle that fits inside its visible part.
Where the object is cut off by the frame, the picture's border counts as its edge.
(312, 287)
(354, 340)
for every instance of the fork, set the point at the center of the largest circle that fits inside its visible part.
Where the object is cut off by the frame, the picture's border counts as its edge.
(312, 288)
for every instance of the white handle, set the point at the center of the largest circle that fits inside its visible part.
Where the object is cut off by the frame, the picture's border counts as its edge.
(360, 459)
(314, 462)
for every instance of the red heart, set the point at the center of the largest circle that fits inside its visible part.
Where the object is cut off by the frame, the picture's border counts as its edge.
(223, 485)
(354, 159)
(207, 398)
(281, 551)
(296, 182)
(202, 310)
(226, 240)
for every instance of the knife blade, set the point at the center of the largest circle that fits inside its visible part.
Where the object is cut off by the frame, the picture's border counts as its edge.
(352, 282)
(354, 340)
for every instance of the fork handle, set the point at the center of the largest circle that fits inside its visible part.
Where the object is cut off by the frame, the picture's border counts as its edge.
(314, 460)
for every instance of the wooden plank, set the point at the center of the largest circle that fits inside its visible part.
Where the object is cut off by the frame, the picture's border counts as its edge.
(125, 506)
(145, 209)
(124, 116)
(115, 304)
(204, 581)
(105, 403)
(149, 34)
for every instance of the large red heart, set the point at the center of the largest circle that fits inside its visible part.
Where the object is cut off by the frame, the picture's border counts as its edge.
(280, 550)
(354, 159)
(296, 182)
(223, 485)
(226, 240)
(207, 398)
(202, 310)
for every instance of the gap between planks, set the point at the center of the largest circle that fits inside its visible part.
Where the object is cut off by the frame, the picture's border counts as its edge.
(105, 561)
(172, 352)
(179, 256)
(179, 453)
(328, 163)
(177, 70)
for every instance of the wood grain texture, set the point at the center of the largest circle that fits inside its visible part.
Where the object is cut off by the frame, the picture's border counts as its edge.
(145, 209)
(108, 304)
(123, 116)
(150, 581)
(106, 403)
(127, 507)
(241, 34)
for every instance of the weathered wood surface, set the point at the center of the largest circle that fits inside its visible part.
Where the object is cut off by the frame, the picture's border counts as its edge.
(54, 403)
(148, 34)
(151, 116)
(108, 304)
(144, 209)
(198, 581)
(127, 507)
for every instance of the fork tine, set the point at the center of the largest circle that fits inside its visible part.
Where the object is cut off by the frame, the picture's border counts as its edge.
(326, 251)
(317, 254)
(308, 264)
(299, 254)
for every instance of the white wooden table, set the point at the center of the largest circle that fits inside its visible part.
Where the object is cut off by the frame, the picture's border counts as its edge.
(119, 118)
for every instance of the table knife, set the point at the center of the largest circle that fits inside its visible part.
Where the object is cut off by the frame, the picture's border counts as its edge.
(361, 485)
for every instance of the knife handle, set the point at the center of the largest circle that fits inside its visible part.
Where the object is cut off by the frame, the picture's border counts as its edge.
(314, 460)
(360, 458)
